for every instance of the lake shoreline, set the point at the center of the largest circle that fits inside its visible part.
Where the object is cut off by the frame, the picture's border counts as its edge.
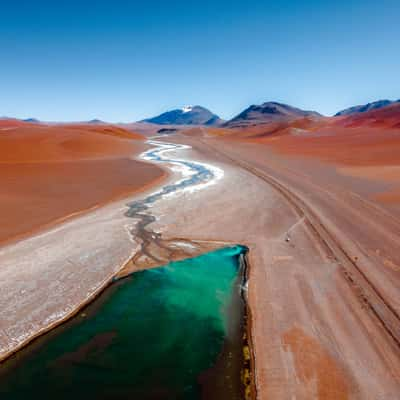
(104, 297)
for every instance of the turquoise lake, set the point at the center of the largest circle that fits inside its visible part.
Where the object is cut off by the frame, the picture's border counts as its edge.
(173, 332)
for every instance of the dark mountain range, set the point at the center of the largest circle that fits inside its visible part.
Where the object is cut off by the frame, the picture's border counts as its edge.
(366, 107)
(268, 112)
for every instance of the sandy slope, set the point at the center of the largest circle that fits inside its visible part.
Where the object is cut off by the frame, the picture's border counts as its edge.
(49, 173)
(365, 146)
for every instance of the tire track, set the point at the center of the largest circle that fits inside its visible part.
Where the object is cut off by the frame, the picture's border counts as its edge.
(365, 290)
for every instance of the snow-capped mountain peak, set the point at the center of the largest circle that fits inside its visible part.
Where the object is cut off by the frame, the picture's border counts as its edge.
(187, 109)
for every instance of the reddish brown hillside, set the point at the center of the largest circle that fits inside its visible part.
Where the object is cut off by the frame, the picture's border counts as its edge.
(386, 117)
(48, 173)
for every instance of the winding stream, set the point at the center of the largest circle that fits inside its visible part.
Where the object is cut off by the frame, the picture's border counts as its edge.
(196, 175)
(173, 332)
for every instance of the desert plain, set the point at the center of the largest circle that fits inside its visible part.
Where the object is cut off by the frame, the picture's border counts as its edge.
(315, 199)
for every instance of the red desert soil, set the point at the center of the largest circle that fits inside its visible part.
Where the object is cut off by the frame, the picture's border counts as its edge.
(342, 179)
(312, 363)
(364, 146)
(48, 173)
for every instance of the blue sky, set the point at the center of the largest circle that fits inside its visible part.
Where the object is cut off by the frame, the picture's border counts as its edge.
(126, 60)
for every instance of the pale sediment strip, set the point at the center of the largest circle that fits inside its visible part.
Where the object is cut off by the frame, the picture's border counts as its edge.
(46, 279)
(155, 250)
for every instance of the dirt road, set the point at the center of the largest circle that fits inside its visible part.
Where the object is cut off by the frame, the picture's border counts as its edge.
(324, 309)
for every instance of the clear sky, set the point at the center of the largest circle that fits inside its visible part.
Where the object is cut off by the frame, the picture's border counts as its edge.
(125, 60)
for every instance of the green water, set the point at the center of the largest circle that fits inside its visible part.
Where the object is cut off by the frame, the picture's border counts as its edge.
(167, 333)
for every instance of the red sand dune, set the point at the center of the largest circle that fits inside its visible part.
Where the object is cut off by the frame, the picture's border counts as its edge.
(365, 145)
(353, 146)
(48, 173)
(352, 140)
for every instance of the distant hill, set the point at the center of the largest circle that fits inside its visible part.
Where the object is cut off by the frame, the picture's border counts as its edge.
(190, 115)
(384, 117)
(366, 107)
(31, 120)
(22, 121)
(96, 122)
(268, 112)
